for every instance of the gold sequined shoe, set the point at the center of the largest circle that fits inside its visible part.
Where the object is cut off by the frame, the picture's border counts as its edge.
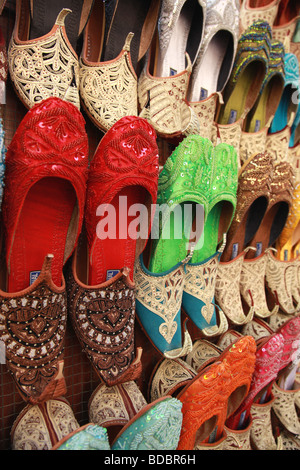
(295, 42)
(42, 57)
(108, 63)
(253, 10)
(290, 235)
(164, 80)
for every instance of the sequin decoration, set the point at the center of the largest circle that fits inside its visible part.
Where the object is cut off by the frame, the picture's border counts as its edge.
(32, 327)
(103, 319)
(90, 437)
(158, 428)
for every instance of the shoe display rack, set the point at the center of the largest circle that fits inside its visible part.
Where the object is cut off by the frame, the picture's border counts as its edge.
(150, 214)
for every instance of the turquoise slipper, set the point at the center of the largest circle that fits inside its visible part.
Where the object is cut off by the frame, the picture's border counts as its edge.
(132, 423)
(288, 106)
(88, 437)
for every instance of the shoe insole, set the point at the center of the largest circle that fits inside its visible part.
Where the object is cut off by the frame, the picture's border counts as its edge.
(45, 13)
(209, 240)
(186, 37)
(269, 230)
(258, 119)
(246, 229)
(118, 235)
(284, 110)
(129, 17)
(207, 80)
(174, 241)
(42, 229)
(266, 105)
(245, 86)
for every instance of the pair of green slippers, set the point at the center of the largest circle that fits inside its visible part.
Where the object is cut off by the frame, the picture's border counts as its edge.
(195, 206)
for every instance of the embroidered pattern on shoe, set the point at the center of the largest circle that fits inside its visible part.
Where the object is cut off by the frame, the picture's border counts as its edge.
(103, 320)
(33, 329)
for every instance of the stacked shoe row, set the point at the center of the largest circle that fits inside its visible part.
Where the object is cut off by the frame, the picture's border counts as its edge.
(212, 279)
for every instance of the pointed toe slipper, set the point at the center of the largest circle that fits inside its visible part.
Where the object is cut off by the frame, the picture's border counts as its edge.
(42, 57)
(87, 437)
(42, 212)
(123, 184)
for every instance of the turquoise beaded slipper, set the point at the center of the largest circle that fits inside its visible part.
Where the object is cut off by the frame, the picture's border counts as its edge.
(131, 423)
(88, 437)
(286, 112)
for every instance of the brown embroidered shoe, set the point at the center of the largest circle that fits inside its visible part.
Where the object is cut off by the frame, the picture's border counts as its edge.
(103, 319)
(32, 327)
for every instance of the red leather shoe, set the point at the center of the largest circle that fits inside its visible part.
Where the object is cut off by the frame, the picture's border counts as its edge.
(45, 186)
(101, 291)
(43, 205)
(123, 172)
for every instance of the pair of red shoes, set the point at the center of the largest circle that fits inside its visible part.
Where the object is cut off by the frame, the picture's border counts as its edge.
(50, 194)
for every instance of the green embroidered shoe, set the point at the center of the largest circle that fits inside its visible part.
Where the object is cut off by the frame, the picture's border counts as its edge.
(198, 299)
(183, 194)
(196, 201)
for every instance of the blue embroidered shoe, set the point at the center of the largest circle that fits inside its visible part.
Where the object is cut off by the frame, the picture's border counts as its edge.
(157, 427)
(199, 289)
(286, 113)
(205, 177)
(88, 437)
(198, 299)
(131, 423)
